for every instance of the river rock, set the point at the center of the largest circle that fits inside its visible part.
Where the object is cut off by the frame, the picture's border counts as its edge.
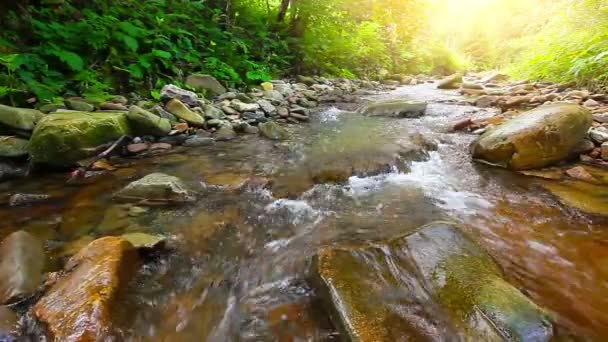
(435, 284)
(145, 241)
(450, 82)
(273, 131)
(146, 123)
(51, 107)
(79, 105)
(25, 199)
(225, 133)
(267, 107)
(599, 134)
(473, 86)
(61, 139)
(196, 141)
(305, 80)
(157, 188)
(22, 261)
(10, 169)
(19, 118)
(212, 112)
(177, 108)
(244, 107)
(9, 325)
(13, 147)
(400, 108)
(486, 101)
(171, 91)
(113, 106)
(81, 305)
(205, 83)
(537, 138)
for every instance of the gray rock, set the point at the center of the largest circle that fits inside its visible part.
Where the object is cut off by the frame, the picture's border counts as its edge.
(160, 111)
(214, 122)
(146, 123)
(256, 116)
(196, 141)
(171, 91)
(10, 170)
(299, 110)
(599, 134)
(157, 188)
(22, 261)
(273, 131)
(450, 82)
(229, 110)
(267, 107)
(244, 107)
(113, 106)
(24, 199)
(13, 147)
(212, 112)
(399, 108)
(178, 139)
(205, 82)
(225, 133)
(227, 96)
(19, 118)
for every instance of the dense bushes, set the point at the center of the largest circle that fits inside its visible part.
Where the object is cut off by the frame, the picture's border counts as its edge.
(110, 46)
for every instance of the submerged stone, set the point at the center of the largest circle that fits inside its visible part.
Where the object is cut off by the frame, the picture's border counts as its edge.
(9, 325)
(19, 118)
(22, 261)
(535, 139)
(81, 306)
(399, 108)
(273, 131)
(584, 196)
(435, 284)
(156, 187)
(62, 139)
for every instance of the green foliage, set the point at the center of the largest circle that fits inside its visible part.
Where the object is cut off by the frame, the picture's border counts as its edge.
(103, 46)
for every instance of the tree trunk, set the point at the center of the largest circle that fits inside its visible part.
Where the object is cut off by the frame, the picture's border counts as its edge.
(283, 10)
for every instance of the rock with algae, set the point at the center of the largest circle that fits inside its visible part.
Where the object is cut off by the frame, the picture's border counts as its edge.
(433, 284)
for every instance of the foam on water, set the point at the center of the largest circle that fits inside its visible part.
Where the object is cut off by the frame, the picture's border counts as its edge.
(331, 114)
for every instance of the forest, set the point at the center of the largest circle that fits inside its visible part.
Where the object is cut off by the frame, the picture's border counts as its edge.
(51, 48)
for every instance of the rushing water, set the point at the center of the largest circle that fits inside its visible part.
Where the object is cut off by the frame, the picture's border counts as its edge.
(239, 268)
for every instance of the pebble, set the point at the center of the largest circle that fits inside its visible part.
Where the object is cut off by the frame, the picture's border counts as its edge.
(160, 147)
(581, 173)
(137, 148)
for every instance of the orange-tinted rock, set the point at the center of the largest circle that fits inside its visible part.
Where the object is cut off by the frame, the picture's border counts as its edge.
(81, 305)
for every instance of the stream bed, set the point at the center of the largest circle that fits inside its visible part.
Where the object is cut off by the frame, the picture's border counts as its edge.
(239, 268)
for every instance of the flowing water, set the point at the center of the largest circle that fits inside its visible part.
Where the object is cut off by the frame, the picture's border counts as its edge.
(239, 265)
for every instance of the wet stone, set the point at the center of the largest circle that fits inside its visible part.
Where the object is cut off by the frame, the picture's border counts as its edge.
(82, 305)
(432, 285)
(25, 199)
(397, 108)
(158, 188)
(197, 141)
(9, 325)
(22, 261)
(145, 241)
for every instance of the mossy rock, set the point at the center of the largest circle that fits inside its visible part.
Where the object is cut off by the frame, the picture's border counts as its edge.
(179, 109)
(61, 139)
(19, 118)
(534, 139)
(146, 123)
(13, 147)
(273, 131)
(435, 284)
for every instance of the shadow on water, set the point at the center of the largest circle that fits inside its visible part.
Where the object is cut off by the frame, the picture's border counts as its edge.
(240, 262)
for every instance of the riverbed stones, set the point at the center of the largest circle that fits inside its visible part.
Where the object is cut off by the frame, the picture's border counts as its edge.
(433, 284)
(397, 108)
(225, 133)
(22, 261)
(61, 139)
(13, 147)
(273, 131)
(156, 188)
(244, 107)
(146, 123)
(79, 105)
(81, 306)
(179, 109)
(205, 83)
(19, 118)
(535, 139)
(450, 82)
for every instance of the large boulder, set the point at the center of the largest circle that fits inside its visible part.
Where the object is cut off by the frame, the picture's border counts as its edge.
(19, 118)
(156, 188)
(177, 108)
(63, 138)
(399, 108)
(535, 139)
(205, 83)
(435, 284)
(273, 131)
(11, 147)
(81, 305)
(146, 123)
(450, 82)
(22, 261)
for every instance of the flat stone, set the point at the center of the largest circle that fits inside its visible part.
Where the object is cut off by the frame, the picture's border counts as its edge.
(19, 118)
(156, 187)
(267, 107)
(22, 261)
(145, 241)
(160, 146)
(113, 106)
(13, 147)
(177, 108)
(79, 105)
(197, 141)
(582, 174)
(81, 305)
(273, 131)
(244, 107)
(137, 148)
(171, 91)
(397, 108)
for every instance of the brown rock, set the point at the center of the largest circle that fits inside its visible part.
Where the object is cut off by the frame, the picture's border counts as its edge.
(22, 261)
(299, 117)
(160, 147)
(137, 148)
(113, 106)
(581, 173)
(9, 324)
(462, 124)
(81, 306)
(604, 151)
(181, 127)
(486, 101)
(585, 146)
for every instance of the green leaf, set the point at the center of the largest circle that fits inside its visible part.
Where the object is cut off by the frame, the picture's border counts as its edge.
(161, 54)
(73, 60)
